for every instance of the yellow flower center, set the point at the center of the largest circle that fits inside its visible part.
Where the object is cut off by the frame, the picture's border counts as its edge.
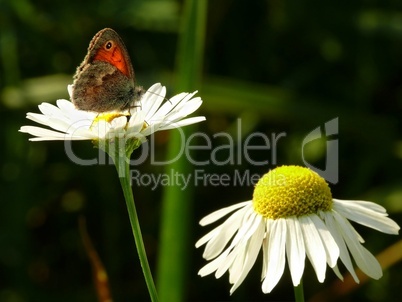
(291, 191)
(108, 116)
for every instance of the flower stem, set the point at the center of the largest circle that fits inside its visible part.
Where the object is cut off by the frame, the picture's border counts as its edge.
(299, 294)
(135, 226)
(177, 202)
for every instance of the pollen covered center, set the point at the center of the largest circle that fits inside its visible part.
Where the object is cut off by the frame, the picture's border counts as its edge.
(108, 116)
(291, 191)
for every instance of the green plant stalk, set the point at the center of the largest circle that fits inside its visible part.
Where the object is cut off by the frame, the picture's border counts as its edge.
(299, 293)
(174, 234)
(120, 150)
(135, 227)
(177, 204)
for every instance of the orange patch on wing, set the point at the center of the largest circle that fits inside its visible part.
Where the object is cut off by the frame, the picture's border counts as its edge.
(114, 57)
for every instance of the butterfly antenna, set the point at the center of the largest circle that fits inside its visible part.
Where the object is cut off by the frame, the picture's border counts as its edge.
(166, 99)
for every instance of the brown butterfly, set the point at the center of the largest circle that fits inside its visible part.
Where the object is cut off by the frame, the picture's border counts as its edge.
(105, 79)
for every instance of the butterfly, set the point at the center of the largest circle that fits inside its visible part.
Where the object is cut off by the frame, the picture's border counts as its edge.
(105, 80)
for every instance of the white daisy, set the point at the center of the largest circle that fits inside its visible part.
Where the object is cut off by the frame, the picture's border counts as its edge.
(292, 213)
(69, 123)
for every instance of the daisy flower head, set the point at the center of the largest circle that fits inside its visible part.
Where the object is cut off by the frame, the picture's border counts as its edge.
(66, 122)
(292, 215)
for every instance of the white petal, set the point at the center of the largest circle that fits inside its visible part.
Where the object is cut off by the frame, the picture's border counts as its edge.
(169, 105)
(153, 98)
(265, 255)
(314, 247)
(184, 104)
(175, 109)
(46, 134)
(247, 227)
(189, 102)
(331, 248)
(180, 98)
(225, 232)
(364, 259)
(70, 89)
(225, 260)
(179, 113)
(119, 123)
(65, 106)
(81, 126)
(338, 273)
(38, 118)
(240, 245)
(50, 109)
(234, 262)
(214, 216)
(182, 123)
(63, 120)
(64, 125)
(295, 250)
(362, 204)
(164, 124)
(207, 237)
(213, 265)
(366, 213)
(276, 255)
(152, 128)
(253, 248)
(134, 130)
(237, 259)
(101, 129)
(136, 120)
(336, 233)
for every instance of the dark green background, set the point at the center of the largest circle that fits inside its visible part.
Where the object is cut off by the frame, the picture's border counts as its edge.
(281, 66)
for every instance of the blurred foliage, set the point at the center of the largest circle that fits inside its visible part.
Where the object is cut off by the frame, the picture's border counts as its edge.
(280, 66)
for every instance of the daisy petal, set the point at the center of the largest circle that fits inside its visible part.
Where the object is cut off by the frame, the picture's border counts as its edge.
(226, 232)
(222, 212)
(276, 251)
(364, 259)
(343, 250)
(331, 248)
(45, 134)
(182, 123)
(368, 214)
(314, 247)
(295, 250)
(153, 98)
(253, 248)
(238, 246)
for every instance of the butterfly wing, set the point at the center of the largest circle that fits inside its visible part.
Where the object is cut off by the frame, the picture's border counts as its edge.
(105, 79)
(109, 90)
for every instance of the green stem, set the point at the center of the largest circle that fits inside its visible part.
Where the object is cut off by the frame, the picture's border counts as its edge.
(299, 293)
(177, 211)
(135, 225)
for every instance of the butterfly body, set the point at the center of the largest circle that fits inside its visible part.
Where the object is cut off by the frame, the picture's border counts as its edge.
(105, 80)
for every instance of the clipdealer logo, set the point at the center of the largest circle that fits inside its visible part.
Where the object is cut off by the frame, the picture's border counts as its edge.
(198, 177)
(224, 149)
(331, 171)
